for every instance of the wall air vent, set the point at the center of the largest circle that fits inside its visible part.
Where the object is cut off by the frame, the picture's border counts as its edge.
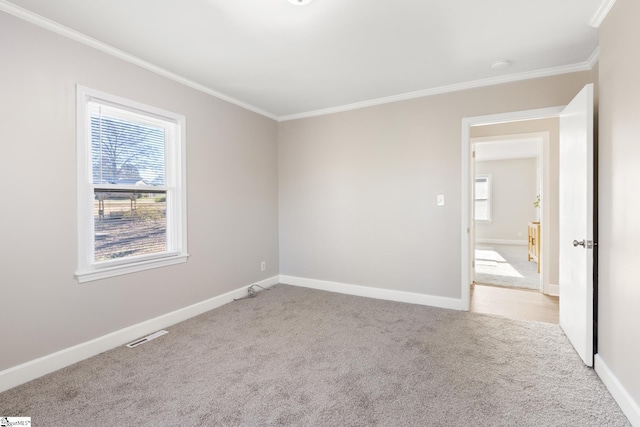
(148, 338)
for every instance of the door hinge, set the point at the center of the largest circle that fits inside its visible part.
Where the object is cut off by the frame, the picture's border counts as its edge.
(473, 154)
(473, 264)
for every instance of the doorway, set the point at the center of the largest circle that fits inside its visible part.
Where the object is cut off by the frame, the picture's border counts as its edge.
(507, 199)
(507, 196)
(541, 185)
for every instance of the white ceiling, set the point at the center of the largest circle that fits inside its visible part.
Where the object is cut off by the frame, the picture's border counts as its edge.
(284, 60)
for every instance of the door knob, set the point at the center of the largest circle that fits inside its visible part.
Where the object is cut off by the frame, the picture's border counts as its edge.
(576, 243)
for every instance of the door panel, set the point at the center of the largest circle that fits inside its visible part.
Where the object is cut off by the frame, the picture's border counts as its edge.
(576, 223)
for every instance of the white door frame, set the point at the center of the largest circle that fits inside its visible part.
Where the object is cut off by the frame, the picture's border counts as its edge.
(466, 180)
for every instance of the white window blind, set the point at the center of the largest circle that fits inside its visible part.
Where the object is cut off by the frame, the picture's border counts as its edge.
(126, 148)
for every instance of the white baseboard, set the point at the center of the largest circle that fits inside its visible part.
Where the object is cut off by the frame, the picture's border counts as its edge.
(378, 293)
(629, 407)
(552, 289)
(33, 369)
(502, 242)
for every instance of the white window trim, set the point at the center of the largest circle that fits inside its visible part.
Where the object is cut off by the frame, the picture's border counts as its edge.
(88, 269)
(489, 178)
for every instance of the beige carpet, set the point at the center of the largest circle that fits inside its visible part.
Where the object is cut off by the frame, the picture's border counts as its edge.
(294, 356)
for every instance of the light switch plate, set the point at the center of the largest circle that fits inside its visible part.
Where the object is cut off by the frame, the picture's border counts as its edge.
(440, 199)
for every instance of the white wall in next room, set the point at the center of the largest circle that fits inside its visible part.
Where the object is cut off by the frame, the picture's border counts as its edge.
(513, 192)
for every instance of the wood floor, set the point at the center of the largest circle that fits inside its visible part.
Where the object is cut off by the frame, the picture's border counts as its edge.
(514, 303)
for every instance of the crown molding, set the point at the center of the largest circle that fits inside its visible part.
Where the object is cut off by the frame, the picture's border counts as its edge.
(594, 58)
(547, 72)
(602, 13)
(62, 30)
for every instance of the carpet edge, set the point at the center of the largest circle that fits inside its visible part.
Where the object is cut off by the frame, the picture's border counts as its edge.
(377, 293)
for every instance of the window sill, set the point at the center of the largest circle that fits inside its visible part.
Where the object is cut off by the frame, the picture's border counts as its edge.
(103, 273)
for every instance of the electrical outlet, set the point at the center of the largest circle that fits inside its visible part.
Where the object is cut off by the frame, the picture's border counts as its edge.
(263, 266)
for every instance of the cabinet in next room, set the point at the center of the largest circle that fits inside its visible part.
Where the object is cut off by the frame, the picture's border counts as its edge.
(534, 243)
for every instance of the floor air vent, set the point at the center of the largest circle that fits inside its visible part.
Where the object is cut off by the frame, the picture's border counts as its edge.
(146, 339)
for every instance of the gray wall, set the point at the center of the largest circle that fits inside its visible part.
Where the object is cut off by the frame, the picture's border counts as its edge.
(513, 192)
(358, 189)
(232, 197)
(619, 176)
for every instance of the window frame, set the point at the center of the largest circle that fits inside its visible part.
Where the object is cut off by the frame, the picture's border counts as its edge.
(88, 269)
(489, 179)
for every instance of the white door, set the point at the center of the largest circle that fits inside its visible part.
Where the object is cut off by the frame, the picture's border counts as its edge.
(576, 223)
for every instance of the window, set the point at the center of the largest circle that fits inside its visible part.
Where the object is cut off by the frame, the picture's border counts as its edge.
(131, 186)
(482, 192)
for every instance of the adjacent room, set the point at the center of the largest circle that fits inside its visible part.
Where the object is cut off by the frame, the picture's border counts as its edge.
(296, 212)
(510, 162)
